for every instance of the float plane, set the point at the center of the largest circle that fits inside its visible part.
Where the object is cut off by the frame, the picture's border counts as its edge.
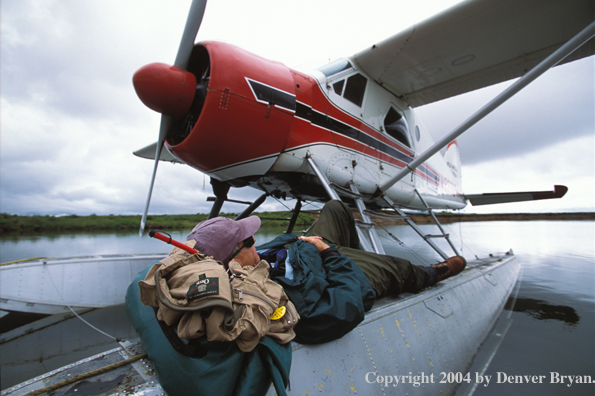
(348, 130)
(345, 131)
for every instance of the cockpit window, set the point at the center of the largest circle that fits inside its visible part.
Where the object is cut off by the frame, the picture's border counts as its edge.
(355, 89)
(335, 67)
(352, 88)
(338, 87)
(396, 126)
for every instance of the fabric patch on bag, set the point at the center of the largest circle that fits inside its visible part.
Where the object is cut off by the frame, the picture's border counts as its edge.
(203, 287)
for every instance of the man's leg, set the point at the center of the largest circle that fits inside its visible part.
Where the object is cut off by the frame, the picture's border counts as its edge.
(336, 225)
(389, 275)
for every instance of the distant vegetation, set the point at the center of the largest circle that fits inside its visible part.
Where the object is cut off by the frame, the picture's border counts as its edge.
(73, 223)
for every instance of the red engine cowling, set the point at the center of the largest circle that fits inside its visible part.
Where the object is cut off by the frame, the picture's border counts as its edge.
(243, 111)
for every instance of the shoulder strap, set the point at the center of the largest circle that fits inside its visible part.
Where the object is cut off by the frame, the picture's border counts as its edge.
(192, 349)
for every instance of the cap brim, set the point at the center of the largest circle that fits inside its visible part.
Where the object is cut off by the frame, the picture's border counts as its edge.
(248, 226)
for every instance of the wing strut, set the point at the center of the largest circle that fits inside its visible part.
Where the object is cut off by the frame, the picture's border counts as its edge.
(549, 62)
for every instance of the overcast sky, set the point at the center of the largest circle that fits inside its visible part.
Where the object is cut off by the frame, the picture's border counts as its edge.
(70, 118)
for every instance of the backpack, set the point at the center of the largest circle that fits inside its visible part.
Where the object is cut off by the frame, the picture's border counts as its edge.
(220, 369)
(193, 294)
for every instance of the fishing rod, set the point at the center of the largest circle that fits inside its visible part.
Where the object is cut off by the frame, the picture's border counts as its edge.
(168, 239)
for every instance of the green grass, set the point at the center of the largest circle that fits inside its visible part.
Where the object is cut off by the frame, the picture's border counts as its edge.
(40, 224)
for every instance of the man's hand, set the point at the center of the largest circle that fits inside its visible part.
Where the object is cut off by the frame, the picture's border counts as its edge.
(316, 241)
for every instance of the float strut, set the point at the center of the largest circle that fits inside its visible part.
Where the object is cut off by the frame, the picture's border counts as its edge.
(294, 216)
(252, 207)
(220, 189)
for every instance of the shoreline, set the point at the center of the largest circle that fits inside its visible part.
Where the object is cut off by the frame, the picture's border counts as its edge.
(35, 225)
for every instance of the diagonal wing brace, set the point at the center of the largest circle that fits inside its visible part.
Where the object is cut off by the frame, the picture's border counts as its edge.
(549, 62)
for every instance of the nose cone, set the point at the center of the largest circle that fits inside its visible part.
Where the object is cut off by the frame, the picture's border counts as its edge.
(166, 89)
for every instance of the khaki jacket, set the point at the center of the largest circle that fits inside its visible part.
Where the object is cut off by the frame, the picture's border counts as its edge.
(193, 293)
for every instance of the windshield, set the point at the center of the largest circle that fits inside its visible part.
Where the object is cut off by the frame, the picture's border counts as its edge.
(335, 67)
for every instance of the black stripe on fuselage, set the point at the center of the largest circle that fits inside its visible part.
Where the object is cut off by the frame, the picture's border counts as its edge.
(324, 121)
(271, 95)
(334, 125)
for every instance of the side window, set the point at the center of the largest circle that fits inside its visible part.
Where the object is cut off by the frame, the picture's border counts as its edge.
(338, 87)
(355, 89)
(396, 126)
(352, 88)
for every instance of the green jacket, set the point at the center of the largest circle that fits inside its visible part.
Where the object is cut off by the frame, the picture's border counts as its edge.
(331, 294)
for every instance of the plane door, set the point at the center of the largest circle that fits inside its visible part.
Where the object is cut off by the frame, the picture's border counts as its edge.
(394, 126)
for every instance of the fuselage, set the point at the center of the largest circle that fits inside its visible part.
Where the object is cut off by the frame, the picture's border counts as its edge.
(259, 120)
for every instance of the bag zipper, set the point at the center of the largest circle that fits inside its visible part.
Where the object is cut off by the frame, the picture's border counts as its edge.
(288, 313)
(241, 292)
(262, 298)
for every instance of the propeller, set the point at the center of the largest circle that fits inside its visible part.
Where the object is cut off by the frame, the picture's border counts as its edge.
(195, 15)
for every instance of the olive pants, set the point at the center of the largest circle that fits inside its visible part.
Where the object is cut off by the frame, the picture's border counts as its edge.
(388, 275)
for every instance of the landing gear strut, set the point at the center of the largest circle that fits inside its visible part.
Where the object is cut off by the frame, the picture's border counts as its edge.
(220, 189)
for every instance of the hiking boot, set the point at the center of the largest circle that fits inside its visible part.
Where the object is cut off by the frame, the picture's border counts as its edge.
(450, 267)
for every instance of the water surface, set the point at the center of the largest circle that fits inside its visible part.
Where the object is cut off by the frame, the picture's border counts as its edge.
(552, 325)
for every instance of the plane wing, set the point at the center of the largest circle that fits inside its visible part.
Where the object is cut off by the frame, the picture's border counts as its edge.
(495, 198)
(148, 152)
(473, 45)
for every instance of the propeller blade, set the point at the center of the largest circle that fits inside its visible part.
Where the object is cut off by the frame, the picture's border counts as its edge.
(195, 15)
(165, 124)
(197, 10)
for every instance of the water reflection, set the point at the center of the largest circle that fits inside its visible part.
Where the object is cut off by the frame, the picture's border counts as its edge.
(542, 310)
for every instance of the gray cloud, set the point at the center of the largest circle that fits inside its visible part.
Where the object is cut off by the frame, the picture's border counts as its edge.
(558, 106)
(71, 118)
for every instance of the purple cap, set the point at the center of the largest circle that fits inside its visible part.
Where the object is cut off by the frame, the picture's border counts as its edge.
(219, 236)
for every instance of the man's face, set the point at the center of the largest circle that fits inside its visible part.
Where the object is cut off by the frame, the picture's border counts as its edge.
(247, 256)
